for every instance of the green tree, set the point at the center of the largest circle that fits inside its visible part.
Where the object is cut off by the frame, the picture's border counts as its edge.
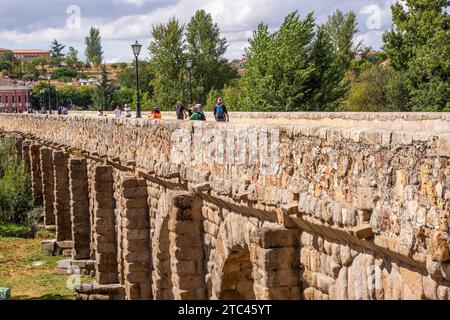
(71, 58)
(122, 66)
(6, 61)
(294, 68)
(56, 49)
(206, 48)
(15, 191)
(56, 53)
(127, 77)
(31, 70)
(104, 92)
(42, 100)
(327, 84)
(67, 72)
(80, 97)
(124, 96)
(73, 53)
(379, 89)
(41, 63)
(167, 64)
(232, 96)
(417, 46)
(257, 81)
(342, 28)
(7, 56)
(17, 69)
(94, 50)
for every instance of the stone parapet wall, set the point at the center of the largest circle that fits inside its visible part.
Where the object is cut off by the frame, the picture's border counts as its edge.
(294, 210)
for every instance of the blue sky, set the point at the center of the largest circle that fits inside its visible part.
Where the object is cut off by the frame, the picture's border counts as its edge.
(121, 22)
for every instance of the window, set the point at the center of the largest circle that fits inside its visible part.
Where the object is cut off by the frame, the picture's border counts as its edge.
(20, 99)
(6, 99)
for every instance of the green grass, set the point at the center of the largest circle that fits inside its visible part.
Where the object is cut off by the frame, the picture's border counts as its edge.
(14, 230)
(31, 276)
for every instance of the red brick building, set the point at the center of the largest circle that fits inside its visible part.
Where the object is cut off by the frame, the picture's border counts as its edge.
(15, 96)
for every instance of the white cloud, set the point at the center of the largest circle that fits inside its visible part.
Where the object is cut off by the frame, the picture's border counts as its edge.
(236, 19)
(138, 3)
(372, 38)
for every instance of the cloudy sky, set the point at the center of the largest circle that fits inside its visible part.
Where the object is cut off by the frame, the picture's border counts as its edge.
(34, 24)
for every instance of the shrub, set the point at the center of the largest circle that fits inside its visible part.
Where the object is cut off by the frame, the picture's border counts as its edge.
(379, 89)
(45, 234)
(64, 72)
(15, 194)
(15, 191)
(16, 231)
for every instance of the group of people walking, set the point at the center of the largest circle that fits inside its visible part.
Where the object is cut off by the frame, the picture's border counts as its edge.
(194, 112)
(155, 114)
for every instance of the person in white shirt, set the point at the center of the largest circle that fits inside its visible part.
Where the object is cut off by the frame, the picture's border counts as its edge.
(118, 112)
(127, 111)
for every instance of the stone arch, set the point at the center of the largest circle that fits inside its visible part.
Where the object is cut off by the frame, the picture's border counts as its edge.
(162, 272)
(230, 264)
(268, 250)
(237, 279)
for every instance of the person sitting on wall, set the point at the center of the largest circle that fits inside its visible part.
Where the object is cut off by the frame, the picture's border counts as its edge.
(201, 112)
(190, 110)
(155, 114)
(195, 114)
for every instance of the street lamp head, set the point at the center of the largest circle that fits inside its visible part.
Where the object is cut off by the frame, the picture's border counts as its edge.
(136, 48)
(189, 64)
(49, 77)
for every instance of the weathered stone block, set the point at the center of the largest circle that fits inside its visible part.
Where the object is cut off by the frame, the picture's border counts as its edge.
(439, 248)
(274, 238)
(443, 146)
(188, 281)
(193, 254)
(48, 247)
(366, 198)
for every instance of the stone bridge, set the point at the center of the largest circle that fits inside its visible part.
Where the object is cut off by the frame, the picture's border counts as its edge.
(269, 206)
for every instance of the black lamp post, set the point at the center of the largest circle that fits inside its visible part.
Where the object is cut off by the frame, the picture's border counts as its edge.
(49, 77)
(57, 102)
(42, 100)
(29, 102)
(15, 96)
(189, 67)
(136, 51)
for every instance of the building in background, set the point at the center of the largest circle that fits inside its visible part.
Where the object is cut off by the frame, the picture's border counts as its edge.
(27, 55)
(239, 64)
(15, 96)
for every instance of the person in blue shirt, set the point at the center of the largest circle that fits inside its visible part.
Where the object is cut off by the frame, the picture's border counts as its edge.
(221, 112)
